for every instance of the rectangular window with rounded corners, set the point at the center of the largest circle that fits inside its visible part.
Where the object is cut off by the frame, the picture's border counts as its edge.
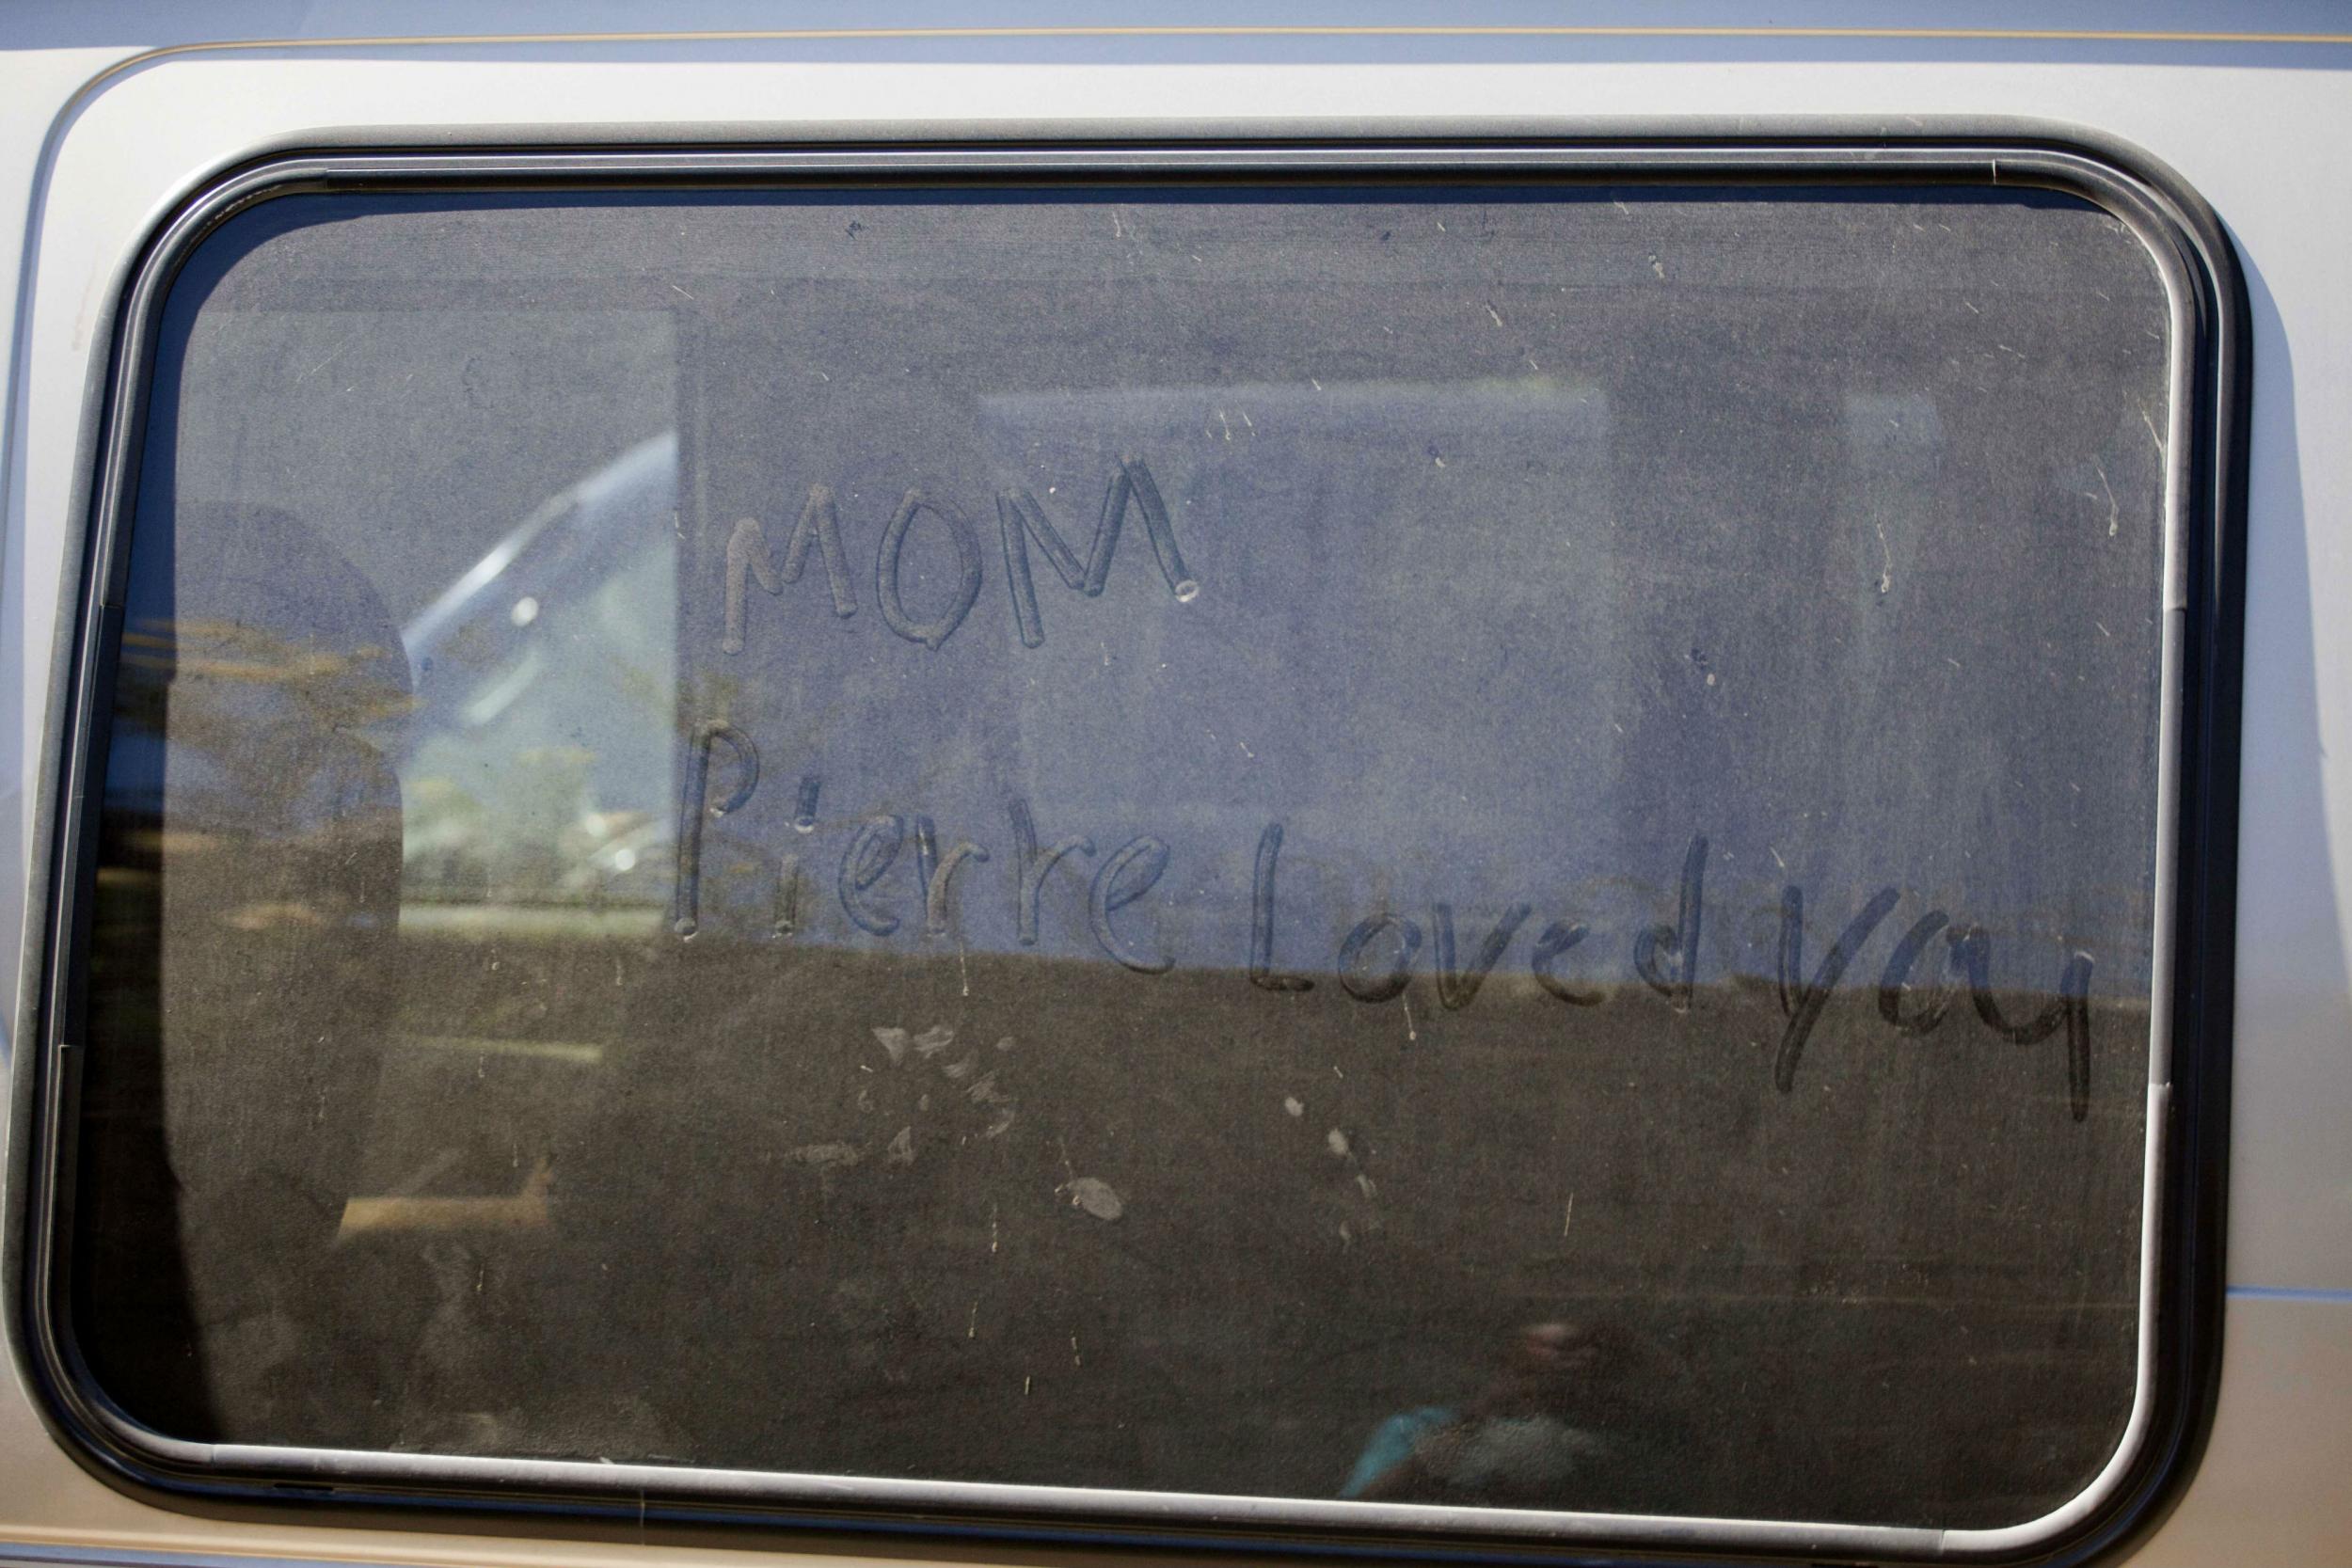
(1465, 845)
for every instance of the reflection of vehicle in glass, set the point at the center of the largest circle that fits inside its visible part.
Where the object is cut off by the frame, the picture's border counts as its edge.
(537, 760)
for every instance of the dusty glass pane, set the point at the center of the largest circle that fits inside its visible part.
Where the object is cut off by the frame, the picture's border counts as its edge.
(1478, 845)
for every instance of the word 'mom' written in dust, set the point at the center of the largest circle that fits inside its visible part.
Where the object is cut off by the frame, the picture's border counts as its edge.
(1376, 962)
(1019, 518)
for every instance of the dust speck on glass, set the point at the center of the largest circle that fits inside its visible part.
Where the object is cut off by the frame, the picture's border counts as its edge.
(1485, 845)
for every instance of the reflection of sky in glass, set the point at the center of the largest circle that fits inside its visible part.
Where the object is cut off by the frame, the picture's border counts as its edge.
(1508, 588)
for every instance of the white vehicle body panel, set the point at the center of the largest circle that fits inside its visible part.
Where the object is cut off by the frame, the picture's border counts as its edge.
(109, 119)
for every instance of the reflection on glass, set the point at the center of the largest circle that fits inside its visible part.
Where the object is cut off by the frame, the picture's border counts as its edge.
(1561, 1425)
(538, 765)
(1481, 846)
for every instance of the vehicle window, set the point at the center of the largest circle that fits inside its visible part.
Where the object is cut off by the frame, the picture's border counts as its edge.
(1491, 845)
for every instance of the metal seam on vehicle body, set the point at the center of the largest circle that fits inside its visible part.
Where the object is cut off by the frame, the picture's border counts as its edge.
(1108, 1511)
(1271, 30)
(45, 1553)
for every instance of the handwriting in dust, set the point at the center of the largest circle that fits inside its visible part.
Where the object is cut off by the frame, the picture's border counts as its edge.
(1377, 958)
